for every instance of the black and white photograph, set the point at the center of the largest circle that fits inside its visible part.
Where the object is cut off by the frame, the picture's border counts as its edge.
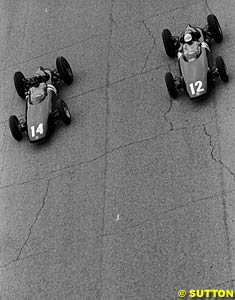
(117, 149)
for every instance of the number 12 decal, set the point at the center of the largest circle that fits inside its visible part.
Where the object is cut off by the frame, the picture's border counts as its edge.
(38, 130)
(196, 87)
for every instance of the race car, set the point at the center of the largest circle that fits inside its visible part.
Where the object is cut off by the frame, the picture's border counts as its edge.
(43, 108)
(197, 69)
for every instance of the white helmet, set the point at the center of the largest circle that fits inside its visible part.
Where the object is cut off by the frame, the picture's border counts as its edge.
(188, 37)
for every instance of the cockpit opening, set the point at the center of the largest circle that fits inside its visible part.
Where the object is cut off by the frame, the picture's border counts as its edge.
(37, 94)
(191, 51)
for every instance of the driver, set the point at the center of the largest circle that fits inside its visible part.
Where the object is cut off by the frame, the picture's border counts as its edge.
(38, 93)
(191, 44)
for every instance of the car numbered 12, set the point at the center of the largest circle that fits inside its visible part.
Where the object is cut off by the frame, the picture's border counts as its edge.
(194, 74)
(43, 108)
(198, 73)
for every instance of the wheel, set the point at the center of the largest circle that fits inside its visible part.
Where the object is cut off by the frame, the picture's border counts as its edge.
(168, 43)
(64, 112)
(170, 84)
(220, 64)
(15, 128)
(214, 28)
(19, 84)
(64, 69)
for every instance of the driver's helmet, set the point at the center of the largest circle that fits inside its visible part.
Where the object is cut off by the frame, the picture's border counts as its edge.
(188, 38)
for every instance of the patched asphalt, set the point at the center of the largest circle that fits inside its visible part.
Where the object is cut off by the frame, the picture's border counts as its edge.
(135, 199)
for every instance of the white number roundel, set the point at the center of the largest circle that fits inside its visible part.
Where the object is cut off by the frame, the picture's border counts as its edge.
(38, 130)
(196, 87)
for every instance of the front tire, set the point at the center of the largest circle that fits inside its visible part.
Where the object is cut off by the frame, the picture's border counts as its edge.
(168, 43)
(64, 112)
(220, 64)
(170, 84)
(14, 125)
(64, 69)
(214, 28)
(19, 84)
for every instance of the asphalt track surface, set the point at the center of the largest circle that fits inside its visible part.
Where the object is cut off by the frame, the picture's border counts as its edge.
(135, 199)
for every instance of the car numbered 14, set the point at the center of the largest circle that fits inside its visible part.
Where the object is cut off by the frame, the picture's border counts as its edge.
(43, 107)
(37, 130)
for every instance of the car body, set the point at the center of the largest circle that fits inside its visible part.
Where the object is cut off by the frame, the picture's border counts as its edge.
(43, 108)
(196, 67)
(194, 70)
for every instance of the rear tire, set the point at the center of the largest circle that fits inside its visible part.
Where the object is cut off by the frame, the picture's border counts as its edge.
(19, 84)
(64, 112)
(214, 28)
(168, 43)
(220, 64)
(170, 84)
(64, 69)
(15, 128)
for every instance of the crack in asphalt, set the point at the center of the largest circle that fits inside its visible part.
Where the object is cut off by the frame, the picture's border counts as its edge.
(24, 258)
(167, 112)
(97, 35)
(213, 155)
(208, 7)
(34, 222)
(24, 31)
(3, 148)
(80, 163)
(152, 47)
(225, 214)
(86, 92)
(223, 166)
(232, 280)
(107, 152)
(210, 142)
(155, 216)
(128, 227)
(159, 14)
(63, 9)
(139, 74)
(112, 22)
(52, 51)
(171, 10)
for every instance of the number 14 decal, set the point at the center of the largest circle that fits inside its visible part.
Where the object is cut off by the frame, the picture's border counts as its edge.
(196, 87)
(38, 130)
